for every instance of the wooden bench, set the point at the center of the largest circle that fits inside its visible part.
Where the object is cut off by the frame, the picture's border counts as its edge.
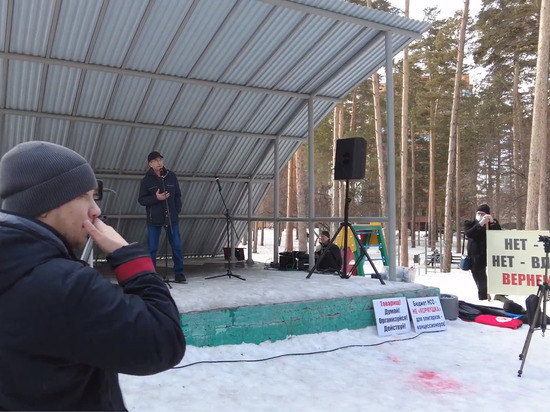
(433, 258)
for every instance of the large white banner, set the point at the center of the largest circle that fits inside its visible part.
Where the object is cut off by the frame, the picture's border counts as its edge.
(516, 261)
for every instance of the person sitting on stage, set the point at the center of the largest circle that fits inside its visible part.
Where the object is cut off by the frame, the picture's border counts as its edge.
(332, 259)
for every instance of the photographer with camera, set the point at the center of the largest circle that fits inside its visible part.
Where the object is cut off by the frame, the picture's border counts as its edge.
(476, 232)
(65, 331)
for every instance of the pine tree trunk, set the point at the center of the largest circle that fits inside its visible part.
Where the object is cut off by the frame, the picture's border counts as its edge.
(262, 234)
(451, 167)
(301, 204)
(517, 139)
(353, 117)
(458, 219)
(290, 204)
(255, 236)
(380, 152)
(340, 184)
(432, 218)
(335, 203)
(539, 131)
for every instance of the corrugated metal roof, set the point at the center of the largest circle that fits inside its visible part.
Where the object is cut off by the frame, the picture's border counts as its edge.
(209, 83)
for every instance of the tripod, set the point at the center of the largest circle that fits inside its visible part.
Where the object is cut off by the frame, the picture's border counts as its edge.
(228, 225)
(344, 274)
(167, 226)
(542, 296)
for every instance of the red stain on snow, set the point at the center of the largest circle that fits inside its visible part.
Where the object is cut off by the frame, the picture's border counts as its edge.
(434, 382)
(393, 359)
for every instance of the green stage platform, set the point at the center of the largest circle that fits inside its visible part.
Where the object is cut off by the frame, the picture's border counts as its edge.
(272, 305)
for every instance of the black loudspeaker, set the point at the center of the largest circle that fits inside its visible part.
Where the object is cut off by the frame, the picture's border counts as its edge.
(349, 161)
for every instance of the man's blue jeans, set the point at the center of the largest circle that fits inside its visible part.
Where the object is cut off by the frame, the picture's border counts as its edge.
(173, 235)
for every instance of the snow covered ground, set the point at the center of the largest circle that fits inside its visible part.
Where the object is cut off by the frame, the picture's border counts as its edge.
(469, 367)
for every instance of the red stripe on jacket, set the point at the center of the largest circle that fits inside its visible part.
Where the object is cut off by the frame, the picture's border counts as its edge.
(133, 267)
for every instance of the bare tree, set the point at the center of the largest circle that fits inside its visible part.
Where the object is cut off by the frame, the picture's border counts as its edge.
(451, 168)
(536, 211)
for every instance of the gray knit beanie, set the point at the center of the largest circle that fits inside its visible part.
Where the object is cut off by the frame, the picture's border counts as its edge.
(36, 177)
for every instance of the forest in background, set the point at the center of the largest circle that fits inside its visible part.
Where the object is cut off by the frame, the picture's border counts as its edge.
(458, 144)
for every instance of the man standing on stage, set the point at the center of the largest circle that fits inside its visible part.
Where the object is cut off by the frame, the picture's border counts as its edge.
(160, 194)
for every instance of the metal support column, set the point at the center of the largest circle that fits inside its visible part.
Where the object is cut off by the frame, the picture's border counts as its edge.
(276, 199)
(311, 179)
(250, 224)
(390, 137)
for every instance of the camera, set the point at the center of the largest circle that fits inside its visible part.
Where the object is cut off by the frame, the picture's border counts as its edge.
(546, 241)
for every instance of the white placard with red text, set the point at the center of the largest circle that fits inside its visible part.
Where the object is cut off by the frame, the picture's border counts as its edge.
(427, 314)
(392, 316)
(516, 261)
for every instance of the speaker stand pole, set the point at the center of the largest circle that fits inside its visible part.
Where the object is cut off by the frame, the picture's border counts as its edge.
(346, 225)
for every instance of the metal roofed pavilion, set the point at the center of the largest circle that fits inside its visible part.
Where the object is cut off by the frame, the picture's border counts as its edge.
(226, 88)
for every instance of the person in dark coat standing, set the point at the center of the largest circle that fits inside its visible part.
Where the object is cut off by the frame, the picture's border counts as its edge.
(160, 193)
(65, 331)
(332, 259)
(476, 232)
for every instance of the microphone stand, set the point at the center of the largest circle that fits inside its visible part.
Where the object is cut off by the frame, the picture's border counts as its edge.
(167, 226)
(228, 223)
(87, 251)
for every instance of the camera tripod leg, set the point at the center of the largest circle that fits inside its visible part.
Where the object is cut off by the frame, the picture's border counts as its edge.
(542, 295)
(538, 313)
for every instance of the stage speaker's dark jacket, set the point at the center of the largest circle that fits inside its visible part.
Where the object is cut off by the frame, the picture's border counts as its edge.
(332, 259)
(477, 242)
(159, 210)
(66, 332)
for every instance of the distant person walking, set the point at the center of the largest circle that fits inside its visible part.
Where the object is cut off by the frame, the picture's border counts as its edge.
(476, 232)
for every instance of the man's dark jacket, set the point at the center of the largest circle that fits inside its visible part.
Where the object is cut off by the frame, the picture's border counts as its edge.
(477, 242)
(157, 209)
(66, 332)
(332, 260)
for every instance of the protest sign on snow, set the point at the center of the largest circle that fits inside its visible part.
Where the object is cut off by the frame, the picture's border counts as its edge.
(392, 316)
(427, 314)
(516, 261)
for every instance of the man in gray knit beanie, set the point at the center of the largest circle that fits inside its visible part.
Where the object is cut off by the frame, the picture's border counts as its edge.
(36, 177)
(64, 328)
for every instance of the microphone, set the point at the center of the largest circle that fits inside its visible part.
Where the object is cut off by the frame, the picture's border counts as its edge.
(218, 182)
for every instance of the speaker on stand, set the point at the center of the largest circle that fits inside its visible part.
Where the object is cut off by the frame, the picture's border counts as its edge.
(349, 164)
(350, 157)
